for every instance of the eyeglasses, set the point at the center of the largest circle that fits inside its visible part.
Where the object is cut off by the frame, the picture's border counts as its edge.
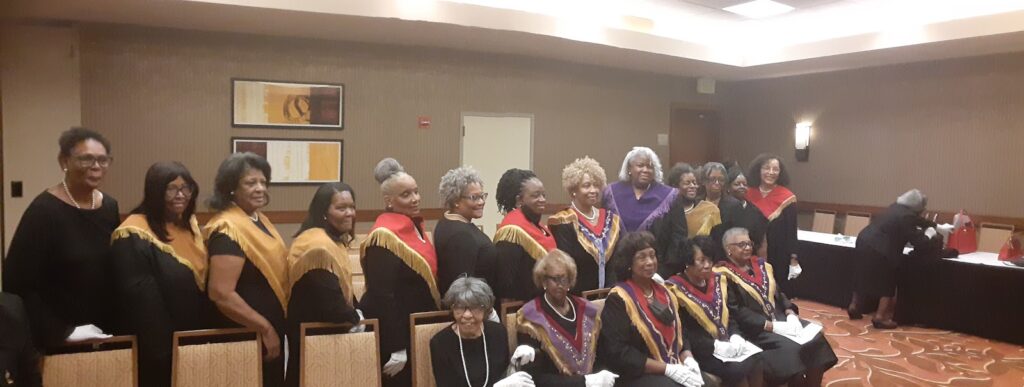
(742, 245)
(87, 161)
(476, 198)
(716, 180)
(460, 309)
(173, 191)
(559, 280)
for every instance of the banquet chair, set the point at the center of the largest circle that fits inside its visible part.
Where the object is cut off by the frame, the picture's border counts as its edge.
(111, 362)
(331, 356)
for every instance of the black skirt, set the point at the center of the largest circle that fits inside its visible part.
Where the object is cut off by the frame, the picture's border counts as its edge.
(876, 273)
(784, 358)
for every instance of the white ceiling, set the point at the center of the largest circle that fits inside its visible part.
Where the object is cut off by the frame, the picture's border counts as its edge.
(680, 37)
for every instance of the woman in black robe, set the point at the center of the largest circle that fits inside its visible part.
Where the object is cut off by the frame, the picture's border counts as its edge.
(19, 359)
(159, 262)
(248, 259)
(738, 212)
(321, 282)
(400, 266)
(59, 259)
(462, 248)
(765, 315)
(521, 239)
(777, 205)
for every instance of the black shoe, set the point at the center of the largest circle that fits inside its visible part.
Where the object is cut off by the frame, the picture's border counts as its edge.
(884, 324)
(854, 314)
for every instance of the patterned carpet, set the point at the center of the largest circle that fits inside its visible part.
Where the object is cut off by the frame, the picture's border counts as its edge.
(912, 356)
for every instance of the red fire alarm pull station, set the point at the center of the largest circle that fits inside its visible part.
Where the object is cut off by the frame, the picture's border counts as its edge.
(423, 122)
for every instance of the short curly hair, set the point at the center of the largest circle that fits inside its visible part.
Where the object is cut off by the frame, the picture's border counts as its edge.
(754, 171)
(511, 185)
(676, 174)
(572, 174)
(554, 258)
(71, 137)
(643, 151)
(228, 175)
(468, 292)
(455, 182)
(626, 249)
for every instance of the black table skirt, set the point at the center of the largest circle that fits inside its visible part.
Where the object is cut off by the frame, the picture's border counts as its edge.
(980, 300)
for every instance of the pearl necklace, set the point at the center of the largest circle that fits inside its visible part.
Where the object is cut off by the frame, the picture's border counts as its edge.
(593, 213)
(92, 196)
(765, 192)
(573, 319)
(255, 217)
(487, 358)
(692, 206)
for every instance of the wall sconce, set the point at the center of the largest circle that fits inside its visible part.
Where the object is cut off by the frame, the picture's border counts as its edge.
(803, 141)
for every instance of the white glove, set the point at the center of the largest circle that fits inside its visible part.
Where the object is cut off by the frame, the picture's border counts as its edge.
(600, 379)
(493, 317)
(678, 373)
(87, 332)
(944, 229)
(657, 278)
(396, 363)
(930, 232)
(358, 328)
(737, 339)
(727, 349)
(518, 379)
(694, 369)
(785, 328)
(795, 320)
(794, 271)
(523, 355)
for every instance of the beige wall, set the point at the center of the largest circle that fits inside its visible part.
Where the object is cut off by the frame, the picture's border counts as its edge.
(39, 90)
(164, 94)
(954, 129)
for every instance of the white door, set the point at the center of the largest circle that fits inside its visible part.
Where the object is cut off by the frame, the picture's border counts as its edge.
(493, 144)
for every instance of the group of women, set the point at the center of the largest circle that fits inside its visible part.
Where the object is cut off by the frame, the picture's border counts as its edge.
(669, 319)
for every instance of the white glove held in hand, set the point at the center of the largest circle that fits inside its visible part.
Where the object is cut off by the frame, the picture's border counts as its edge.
(794, 271)
(678, 373)
(523, 355)
(727, 349)
(358, 328)
(930, 232)
(396, 363)
(493, 316)
(518, 379)
(87, 332)
(600, 379)
(785, 328)
(794, 320)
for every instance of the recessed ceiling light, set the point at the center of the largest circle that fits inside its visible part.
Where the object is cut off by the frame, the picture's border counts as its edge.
(758, 9)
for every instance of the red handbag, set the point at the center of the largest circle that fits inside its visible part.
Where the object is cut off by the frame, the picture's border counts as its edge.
(964, 237)
(1011, 250)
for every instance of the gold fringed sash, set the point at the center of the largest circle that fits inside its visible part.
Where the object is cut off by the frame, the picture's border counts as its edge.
(266, 252)
(516, 235)
(314, 249)
(137, 225)
(384, 238)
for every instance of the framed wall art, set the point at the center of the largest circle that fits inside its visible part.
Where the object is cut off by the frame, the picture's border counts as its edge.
(274, 104)
(294, 161)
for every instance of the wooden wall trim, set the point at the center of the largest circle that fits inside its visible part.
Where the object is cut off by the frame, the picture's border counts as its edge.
(944, 216)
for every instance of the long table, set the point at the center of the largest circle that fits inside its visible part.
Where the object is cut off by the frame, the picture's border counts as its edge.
(973, 293)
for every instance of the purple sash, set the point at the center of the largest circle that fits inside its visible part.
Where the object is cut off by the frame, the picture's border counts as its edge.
(572, 355)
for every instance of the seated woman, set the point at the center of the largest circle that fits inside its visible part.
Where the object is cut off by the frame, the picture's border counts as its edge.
(712, 332)
(638, 197)
(462, 248)
(473, 350)
(641, 335)
(521, 239)
(586, 232)
(159, 266)
(565, 327)
(765, 315)
(688, 217)
(19, 359)
(321, 282)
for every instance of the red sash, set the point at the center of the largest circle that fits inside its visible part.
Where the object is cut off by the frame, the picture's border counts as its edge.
(771, 206)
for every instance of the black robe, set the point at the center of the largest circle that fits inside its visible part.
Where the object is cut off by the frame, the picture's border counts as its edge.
(19, 360)
(158, 296)
(543, 370)
(446, 358)
(736, 213)
(316, 297)
(670, 235)
(780, 235)
(622, 349)
(587, 271)
(463, 249)
(516, 275)
(59, 264)
(702, 345)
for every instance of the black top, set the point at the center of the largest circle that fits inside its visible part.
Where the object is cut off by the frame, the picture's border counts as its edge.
(19, 360)
(889, 232)
(670, 233)
(516, 267)
(59, 264)
(393, 292)
(748, 312)
(543, 370)
(620, 346)
(587, 270)
(736, 213)
(702, 343)
(447, 360)
(781, 238)
(157, 295)
(463, 249)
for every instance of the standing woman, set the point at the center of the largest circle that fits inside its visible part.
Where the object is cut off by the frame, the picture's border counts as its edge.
(688, 217)
(248, 258)
(320, 281)
(159, 262)
(400, 267)
(521, 240)
(744, 215)
(586, 232)
(462, 248)
(639, 197)
(777, 205)
(58, 262)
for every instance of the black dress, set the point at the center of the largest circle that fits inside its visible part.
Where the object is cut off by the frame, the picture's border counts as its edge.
(19, 360)
(567, 238)
(781, 239)
(446, 358)
(702, 345)
(316, 297)
(255, 289)
(59, 264)
(880, 248)
(783, 357)
(736, 213)
(158, 296)
(670, 234)
(463, 249)
(622, 349)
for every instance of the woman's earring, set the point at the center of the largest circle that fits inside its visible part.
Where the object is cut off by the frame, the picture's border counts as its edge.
(65, 170)
(325, 217)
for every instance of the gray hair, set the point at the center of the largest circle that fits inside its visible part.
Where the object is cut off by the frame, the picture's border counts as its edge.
(470, 292)
(914, 199)
(455, 182)
(386, 171)
(731, 233)
(705, 171)
(639, 151)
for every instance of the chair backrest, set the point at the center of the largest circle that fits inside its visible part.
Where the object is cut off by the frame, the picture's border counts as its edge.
(993, 236)
(333, 357)
(422, 327)
(108, 362)
(855, 222)
(597, 297)
(217, 357)
(824, 221)
(508, 318)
